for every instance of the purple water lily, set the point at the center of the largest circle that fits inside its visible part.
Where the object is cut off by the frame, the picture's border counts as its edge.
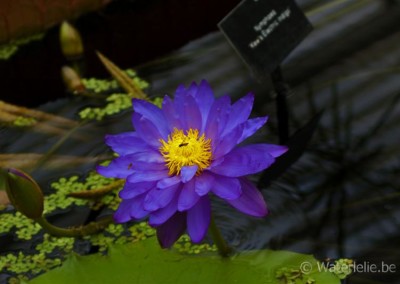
(182, 153)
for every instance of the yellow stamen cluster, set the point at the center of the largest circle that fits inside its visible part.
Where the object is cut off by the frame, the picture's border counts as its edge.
(186, 150)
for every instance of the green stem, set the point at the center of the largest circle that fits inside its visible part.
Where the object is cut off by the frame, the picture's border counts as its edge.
(223, 249)
(86, 230)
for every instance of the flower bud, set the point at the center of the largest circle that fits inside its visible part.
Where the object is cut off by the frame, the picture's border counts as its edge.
(72, 80)
(70, 41)
(23, 192)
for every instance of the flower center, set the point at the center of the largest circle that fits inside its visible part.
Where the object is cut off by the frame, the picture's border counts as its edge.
(186, 150)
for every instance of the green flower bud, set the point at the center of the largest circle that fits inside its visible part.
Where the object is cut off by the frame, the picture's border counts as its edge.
(70, 41)
(72, 80)
(23, 192)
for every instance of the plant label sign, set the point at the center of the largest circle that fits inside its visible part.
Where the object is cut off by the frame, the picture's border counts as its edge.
(264, 32)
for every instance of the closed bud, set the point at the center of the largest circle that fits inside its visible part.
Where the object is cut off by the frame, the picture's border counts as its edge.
(23, 192)
(70, 41)
(72, 80)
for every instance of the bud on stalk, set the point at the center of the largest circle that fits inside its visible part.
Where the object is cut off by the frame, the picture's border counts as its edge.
(70, 41)
(23, 192)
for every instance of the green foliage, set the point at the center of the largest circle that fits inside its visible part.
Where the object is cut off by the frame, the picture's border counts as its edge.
(22, 121)
(23, 227)
(21, 263)
(115, 103)
(157, 101)
(100, 86)
(343, 267)
(9, 49)
(185, 246)
(145, 262)
(60, 200)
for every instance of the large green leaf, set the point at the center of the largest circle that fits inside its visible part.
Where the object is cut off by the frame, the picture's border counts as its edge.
(145, 262)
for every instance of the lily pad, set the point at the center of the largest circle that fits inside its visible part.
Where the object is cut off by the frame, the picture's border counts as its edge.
(145, 262)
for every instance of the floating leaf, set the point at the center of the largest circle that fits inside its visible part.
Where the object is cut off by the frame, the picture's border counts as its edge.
(145, 262)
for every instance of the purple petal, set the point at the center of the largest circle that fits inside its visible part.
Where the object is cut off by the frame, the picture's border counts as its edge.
(153, 113)
(126, 143)
(170, 114)
(192, 114)
(198, 219)
(188, 196)
(159, 198)
(204, 98)
(149, 156)
(140, 176)
(131, 190)
(179, 105)
(251, 202)
(169, 181)
(251, 126)
(169, 232)
(149, 160)
(147, 130)
(203, 183)
(136, 207)
(163, 214)
(226, 187)
(120, 167)
(192, 90)
(188, 172)
(275, 150)
(122, 214)
(228, 142)
(140, 166)
(240, 112)
(244, 161)
(180, 92)
(217, 118)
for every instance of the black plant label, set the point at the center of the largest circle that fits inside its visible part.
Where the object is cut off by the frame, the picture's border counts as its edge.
(264, 32)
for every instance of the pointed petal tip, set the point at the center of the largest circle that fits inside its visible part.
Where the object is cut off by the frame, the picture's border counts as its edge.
(251, 202)
(180, 88)
(188, 172)
(193, 84)
(262, 212)
(116, 220)
(170, 231)
(198, 220)
(121, 218)
(188, 197)
(102, 170)
(249, 97)
(277, 150)
(205, 83)
(264, 119)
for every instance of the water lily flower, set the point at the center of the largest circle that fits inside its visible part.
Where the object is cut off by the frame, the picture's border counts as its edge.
(182, 153)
